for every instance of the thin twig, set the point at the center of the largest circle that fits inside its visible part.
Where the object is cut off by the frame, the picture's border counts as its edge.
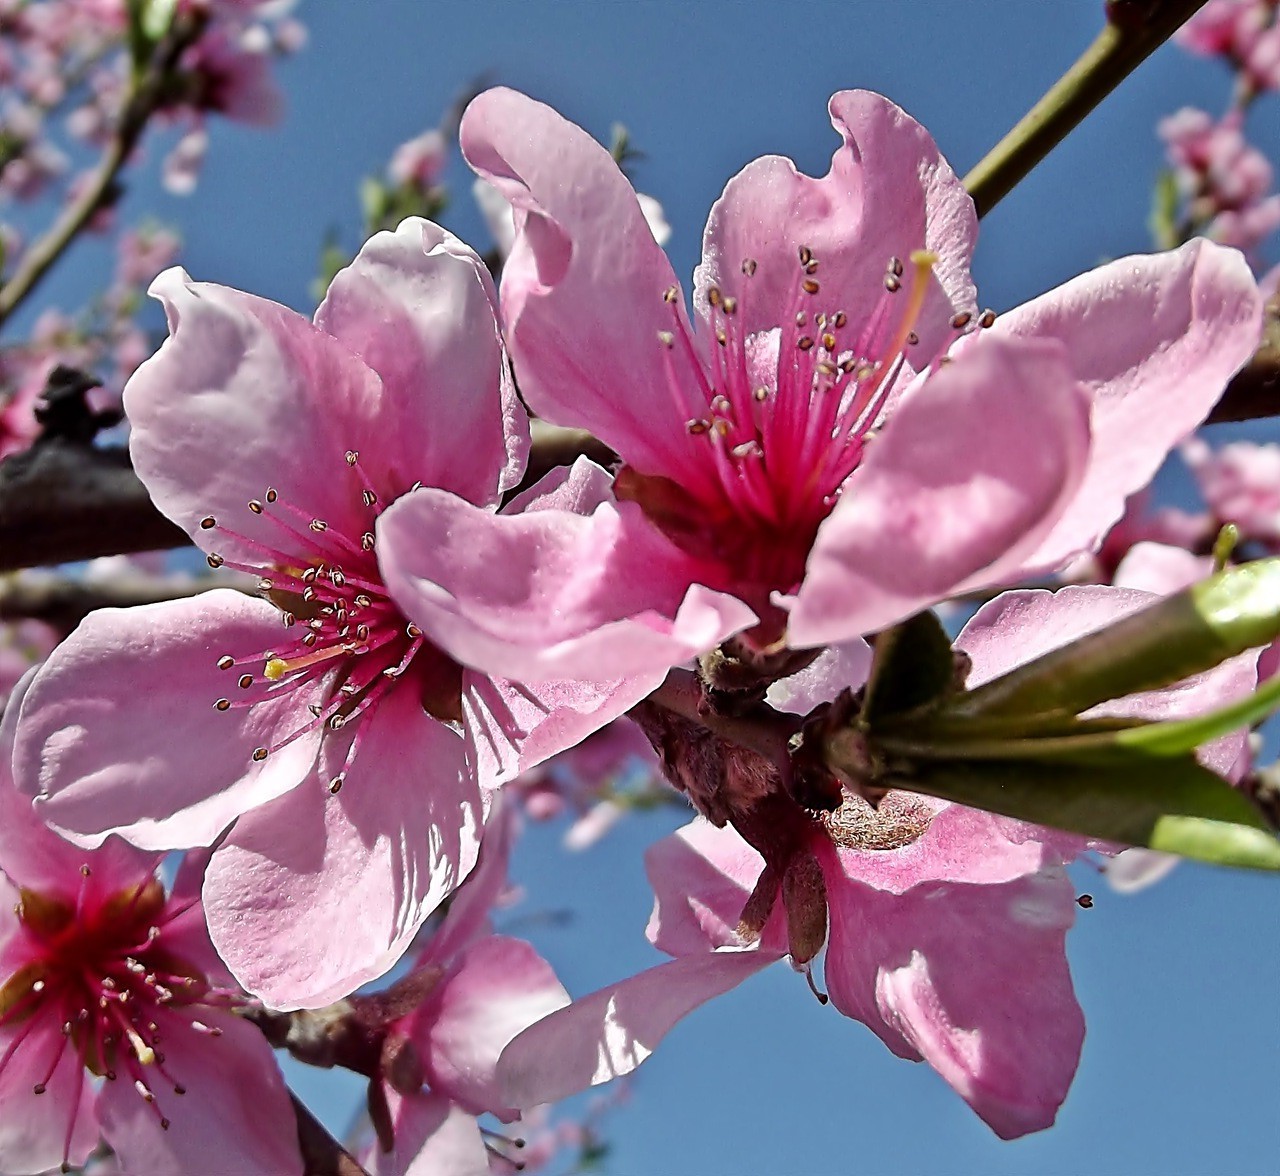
(64, 601)
(1255, 391)
(144, 98)
(1134, 30)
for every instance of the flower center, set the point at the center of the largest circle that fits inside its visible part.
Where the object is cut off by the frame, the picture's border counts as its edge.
(99, 980)
(346, 642)
(898, 820)
(781, 417)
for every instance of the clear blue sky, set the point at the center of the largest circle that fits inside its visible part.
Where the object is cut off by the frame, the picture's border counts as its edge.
(1182, 1060)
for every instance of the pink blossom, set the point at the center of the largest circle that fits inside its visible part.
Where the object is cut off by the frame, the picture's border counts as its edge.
(420, 162)
(1245, 32)
(1241, 484)
(104, 974)
(142, 253)
(350, 753)
(1226, 180)
(944, 926)
(836, 445)
(469, 993)
(22, 644)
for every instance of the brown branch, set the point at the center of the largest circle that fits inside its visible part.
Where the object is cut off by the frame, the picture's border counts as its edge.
(1254, 392)
(65, 601)
(61, 502)
(322, 1155)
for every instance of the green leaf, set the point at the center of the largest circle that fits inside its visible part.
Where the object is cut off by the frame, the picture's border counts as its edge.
(912, 665)
(1194, 630)
(1163, 220)
(1173, 805)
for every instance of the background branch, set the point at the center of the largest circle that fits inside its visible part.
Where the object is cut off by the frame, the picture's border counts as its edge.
(1134, 30)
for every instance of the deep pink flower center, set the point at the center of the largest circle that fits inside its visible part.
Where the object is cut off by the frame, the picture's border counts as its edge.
(782, 418)
(100, 980)
(346, 643)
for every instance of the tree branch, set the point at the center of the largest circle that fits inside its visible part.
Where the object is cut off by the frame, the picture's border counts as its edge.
(61, 502)
(1254, 392)
(1134, 30)
(64, 601)
(143, 99)
(322, 1155)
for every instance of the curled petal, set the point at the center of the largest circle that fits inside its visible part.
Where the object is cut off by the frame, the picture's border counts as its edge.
(418, 307)
(1154, 339)
(582, 291)
(597, 597)
(889, 193)
(973, 468)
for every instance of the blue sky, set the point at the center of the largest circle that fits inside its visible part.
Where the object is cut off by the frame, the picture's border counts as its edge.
(1182, 1060)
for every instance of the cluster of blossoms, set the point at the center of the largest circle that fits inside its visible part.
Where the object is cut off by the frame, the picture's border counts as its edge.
(835, 438)
(1222, 182)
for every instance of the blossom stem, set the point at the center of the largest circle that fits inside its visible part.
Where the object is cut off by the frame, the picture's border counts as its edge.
(146, 92)
(1134, 30)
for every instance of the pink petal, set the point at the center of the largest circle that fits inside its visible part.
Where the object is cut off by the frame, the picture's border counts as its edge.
(418, 306)
(33, 1127)
(236, 1107)
(433, 1137)
(582, 291)
(511, 728)
(600, 598)
(610, 1032)
(33, 856)
(1155, 339)
(1019, 626)
(888, 193)
(974, 466)
(1157, 567)
(500, 987)
(837, 668)
(701, 878)
(1136, 869)
(315, 894)
(243, 395)
(176, 773)
(974, 980)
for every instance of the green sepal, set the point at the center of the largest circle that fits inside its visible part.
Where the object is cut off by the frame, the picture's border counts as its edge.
(911, 665)
(1174, 805)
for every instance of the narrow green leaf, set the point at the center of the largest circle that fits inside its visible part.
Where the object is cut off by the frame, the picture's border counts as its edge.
(1196, 629)
(1174, 805)
(912, 664)
(1177, 736)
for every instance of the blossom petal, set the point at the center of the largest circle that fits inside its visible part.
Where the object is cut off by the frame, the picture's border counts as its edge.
(1155, 339)
(245, 395)
(702, 877)
(235, 1108)
(582, 291)
(977, 462)
(433, 1137)
(180, 776)
(418, 306)
(889, 193)
(500, 987)
(315, 894)
(35, 857)
(599, 597)
(612, 1031)
(1021, 625)
(974, 980)
(33, 1127)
